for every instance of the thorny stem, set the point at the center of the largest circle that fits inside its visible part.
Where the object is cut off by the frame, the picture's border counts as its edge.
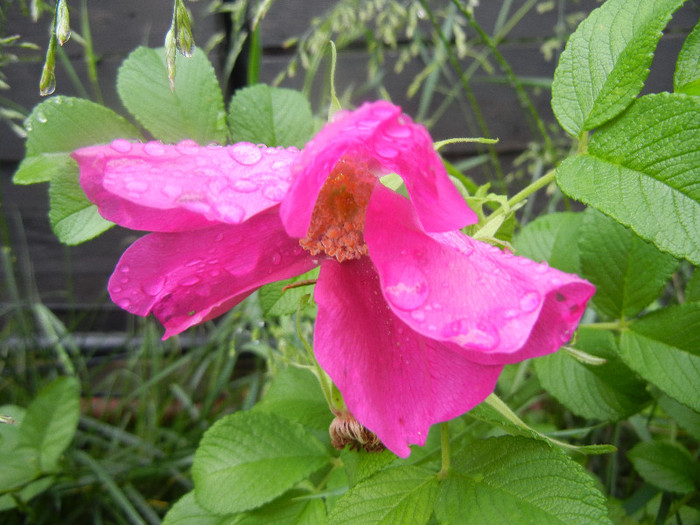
(445, 446)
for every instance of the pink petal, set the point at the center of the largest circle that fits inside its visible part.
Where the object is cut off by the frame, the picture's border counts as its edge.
(187, 278)
(379, 134)
(395, 381)
(166, 188)
(497, 308)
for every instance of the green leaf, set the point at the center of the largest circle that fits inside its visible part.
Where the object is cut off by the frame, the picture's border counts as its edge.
(685, 417)
(692, 288)
(664, 348)
(607, 392)
(51, 421)
(391, 497)
(194, 110)
(668, 466)
(686, 78)
(61, 125)
(642, 171)
(287, 511)
(518, 480)
(606, 61)
(271, 116)
(249, 458)
(187, 512)
(275, 301)
(74, 219)
(552, 238)
(295, 394)
(628, 272)
(360, 464)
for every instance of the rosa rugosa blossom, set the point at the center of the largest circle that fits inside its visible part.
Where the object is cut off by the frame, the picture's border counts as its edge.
(415, 319)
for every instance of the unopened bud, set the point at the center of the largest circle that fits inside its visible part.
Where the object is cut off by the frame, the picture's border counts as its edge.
(170, 50)
(183, 23)
(62, 22)
(47, 84)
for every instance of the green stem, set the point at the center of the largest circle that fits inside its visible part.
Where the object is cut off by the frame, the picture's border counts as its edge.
(540, 183)
(614, 325)
(445, 442)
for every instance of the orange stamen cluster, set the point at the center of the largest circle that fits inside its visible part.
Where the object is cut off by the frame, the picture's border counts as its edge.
(338, 219)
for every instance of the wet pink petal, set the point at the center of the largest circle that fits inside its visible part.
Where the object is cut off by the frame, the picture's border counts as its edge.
(388, 141)
(495, 308)
(165, 188)
(187, 278)
(396, 382)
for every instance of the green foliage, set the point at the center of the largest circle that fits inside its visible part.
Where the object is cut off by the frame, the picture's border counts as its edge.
(31, 448)
(667, 465)
(271, 116)
(518, 480)
(193, 110)
(606, 61)
(604, 392)
(628, 272)
(663, 348)
(687, 76)
(640, 170)
(248, 458)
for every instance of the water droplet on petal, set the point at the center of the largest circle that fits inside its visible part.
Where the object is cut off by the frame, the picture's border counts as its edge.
(121, 145)
(154, 148)
(124, 268)
(219, 237)
(541, 268)
(193, 262)
(245, 153)
(190, 280)
(464, 332)
(385, 150)
(154, 285)
(510, 314)
(231, 213)
(398, 131)
(529, 302)
(276, 258)
(275, 192)
(116, 289)
(418, 315)
(405, 286)
(187, 147)
(171, 191)
(137, 186)
(124, 303)
(245, 185)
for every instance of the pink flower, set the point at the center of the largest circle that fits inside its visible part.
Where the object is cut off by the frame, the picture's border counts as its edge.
(415, 319)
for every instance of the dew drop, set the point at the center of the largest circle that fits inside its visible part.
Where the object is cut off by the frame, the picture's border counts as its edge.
(542, 268)
(190, 280)
(124, 268)
(193, 262)
(154, 285)
(275, 193)
(245, 186)
(187, 147)
(385, 150)
(398, 131)
(124, 303)
(171, 191)
(418, 315)
(41, 117)
(464, 332)
(276, 258)
(116, 289)
(137, 186)
(121, 145)
(231, 213)
(529, 302)
(510, 314)
(154, 148)
(219, 237)
(405, 286)
(245, 153)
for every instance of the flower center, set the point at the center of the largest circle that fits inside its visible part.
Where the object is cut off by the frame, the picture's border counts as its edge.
(338, 219)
